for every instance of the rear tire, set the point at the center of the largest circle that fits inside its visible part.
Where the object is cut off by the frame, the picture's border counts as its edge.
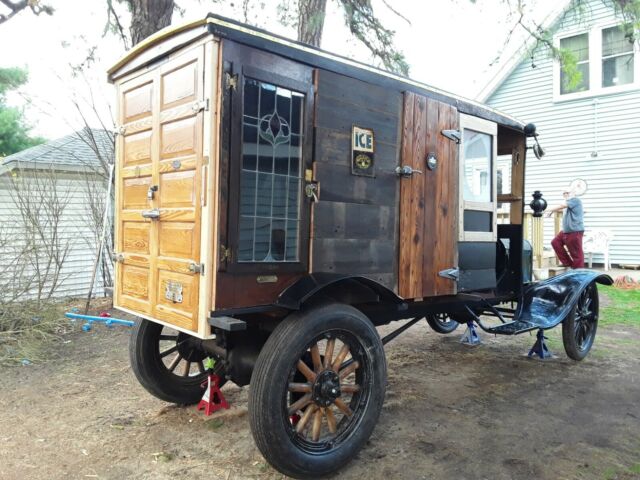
(175, 376)
(441, 323)
(313, 427)
(580, 326)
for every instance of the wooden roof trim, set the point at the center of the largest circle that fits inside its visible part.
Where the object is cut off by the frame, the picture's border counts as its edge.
(152, 40)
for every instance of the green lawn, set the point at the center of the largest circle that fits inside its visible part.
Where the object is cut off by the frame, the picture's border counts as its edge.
(623, 308)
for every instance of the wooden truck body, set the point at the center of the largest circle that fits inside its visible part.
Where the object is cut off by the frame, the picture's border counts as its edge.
(257, 176)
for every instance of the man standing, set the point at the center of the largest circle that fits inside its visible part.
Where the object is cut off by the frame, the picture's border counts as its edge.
(568, 242)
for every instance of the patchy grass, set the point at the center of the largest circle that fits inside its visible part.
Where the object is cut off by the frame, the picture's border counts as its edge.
(623, 308)
(29, 328)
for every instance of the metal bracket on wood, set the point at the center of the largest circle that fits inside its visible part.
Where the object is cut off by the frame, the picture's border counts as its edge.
(117, 257)
(225, 253)
(200, 106)
(231, 81)
(450, 273)
(196, 268)
(454, 135)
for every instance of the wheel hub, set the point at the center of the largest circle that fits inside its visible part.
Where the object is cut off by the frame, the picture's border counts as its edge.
(189, 348)
(326, 388)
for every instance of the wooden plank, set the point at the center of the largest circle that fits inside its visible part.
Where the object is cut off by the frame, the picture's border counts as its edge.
(337, 184)
(341, 220)
(446, 216)
(354, 255)
(331, 112)
(404, 240)
(417, 198)
(355, 92)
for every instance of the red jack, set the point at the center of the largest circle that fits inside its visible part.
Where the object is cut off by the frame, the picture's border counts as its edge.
(213, 399)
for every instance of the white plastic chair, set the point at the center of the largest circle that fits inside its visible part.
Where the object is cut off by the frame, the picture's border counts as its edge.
(597, 241)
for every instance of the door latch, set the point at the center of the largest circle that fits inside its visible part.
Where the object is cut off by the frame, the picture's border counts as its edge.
(196, 268)
(454, 135)
(153, 214)
(406, 171)
(151, 192)
(311, 191)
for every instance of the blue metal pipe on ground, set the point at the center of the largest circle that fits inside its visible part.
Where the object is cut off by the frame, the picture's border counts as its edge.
(108, 321)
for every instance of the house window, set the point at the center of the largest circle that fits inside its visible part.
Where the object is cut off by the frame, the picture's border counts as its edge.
(617, 56)
(270, 176)
(578, 45)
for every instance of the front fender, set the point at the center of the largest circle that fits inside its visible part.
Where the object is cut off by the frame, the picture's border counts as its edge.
(547, 303)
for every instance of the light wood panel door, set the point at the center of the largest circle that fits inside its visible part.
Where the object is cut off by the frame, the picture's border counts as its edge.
(428, 200)
(159, 187)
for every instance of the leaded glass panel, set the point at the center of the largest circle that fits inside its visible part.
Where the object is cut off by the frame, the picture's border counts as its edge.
(270, 184)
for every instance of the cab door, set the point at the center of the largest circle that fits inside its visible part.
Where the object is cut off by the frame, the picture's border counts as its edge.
(428, 198)
(158, 192)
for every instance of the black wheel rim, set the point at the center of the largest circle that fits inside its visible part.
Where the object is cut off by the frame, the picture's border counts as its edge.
(181, 355)
(328, 391)
(585, 320)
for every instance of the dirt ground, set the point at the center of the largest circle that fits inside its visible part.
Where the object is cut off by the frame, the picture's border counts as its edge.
(451, 412)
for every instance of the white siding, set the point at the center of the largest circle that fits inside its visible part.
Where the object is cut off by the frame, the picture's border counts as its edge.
(570, 131)
(75, 232)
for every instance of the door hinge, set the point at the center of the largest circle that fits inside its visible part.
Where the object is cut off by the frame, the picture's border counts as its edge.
(450, 273)
(201, 105)
(454, 135)
(231, 81)
(225, 253)
(196, 268)
(117, 257)
(120, 130)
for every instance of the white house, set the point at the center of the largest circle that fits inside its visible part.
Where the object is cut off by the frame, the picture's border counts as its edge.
(51, 207)
(589, 131)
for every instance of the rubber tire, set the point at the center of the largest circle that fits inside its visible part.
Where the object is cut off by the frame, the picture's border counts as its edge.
(439, 327)
(151, 372)
(568, 338)
(269, 381)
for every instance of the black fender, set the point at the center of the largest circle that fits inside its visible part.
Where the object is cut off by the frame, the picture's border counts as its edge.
(547, 303)
(309, 286)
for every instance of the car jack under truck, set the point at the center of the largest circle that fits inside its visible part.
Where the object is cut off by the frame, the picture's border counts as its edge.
(275, 203)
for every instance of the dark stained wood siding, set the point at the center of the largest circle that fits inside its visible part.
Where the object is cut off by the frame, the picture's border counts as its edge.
(355, 224)
(428, 201)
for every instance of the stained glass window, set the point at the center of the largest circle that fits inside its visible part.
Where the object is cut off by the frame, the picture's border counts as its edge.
(270, 176)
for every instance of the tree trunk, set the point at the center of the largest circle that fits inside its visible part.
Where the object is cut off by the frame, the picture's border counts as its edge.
(149, 16)
(311, 15)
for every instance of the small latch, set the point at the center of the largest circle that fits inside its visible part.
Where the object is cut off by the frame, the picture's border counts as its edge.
(117, 257)
(153, 214)
(231, 81)
(196, 268)
(121, 130)
(311, 191)
(201, 105)
(454, 135)
(151, 192)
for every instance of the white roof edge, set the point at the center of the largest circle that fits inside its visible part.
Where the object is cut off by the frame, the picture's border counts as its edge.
(516, 58)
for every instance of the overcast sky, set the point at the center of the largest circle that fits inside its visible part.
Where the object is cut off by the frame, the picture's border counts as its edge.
(449, 44)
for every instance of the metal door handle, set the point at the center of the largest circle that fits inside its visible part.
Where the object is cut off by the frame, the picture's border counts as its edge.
(152, 214)
(406, 171)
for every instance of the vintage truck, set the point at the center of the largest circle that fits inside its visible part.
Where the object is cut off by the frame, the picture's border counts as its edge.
(276, 202)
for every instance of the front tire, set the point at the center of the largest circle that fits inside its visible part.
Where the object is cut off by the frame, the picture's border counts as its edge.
(317, 390)
(167, 363)
(579, 328)
(441, 323)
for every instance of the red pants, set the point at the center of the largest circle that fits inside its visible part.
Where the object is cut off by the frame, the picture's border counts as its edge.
(573, 243)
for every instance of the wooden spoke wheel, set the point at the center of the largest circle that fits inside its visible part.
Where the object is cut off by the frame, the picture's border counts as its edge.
(168, 363)
(317, 390)
(580, 326)
(441, 323)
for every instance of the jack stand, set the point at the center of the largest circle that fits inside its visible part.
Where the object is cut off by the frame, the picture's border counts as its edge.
(213, 399)
(540, 347)
(470, 336)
